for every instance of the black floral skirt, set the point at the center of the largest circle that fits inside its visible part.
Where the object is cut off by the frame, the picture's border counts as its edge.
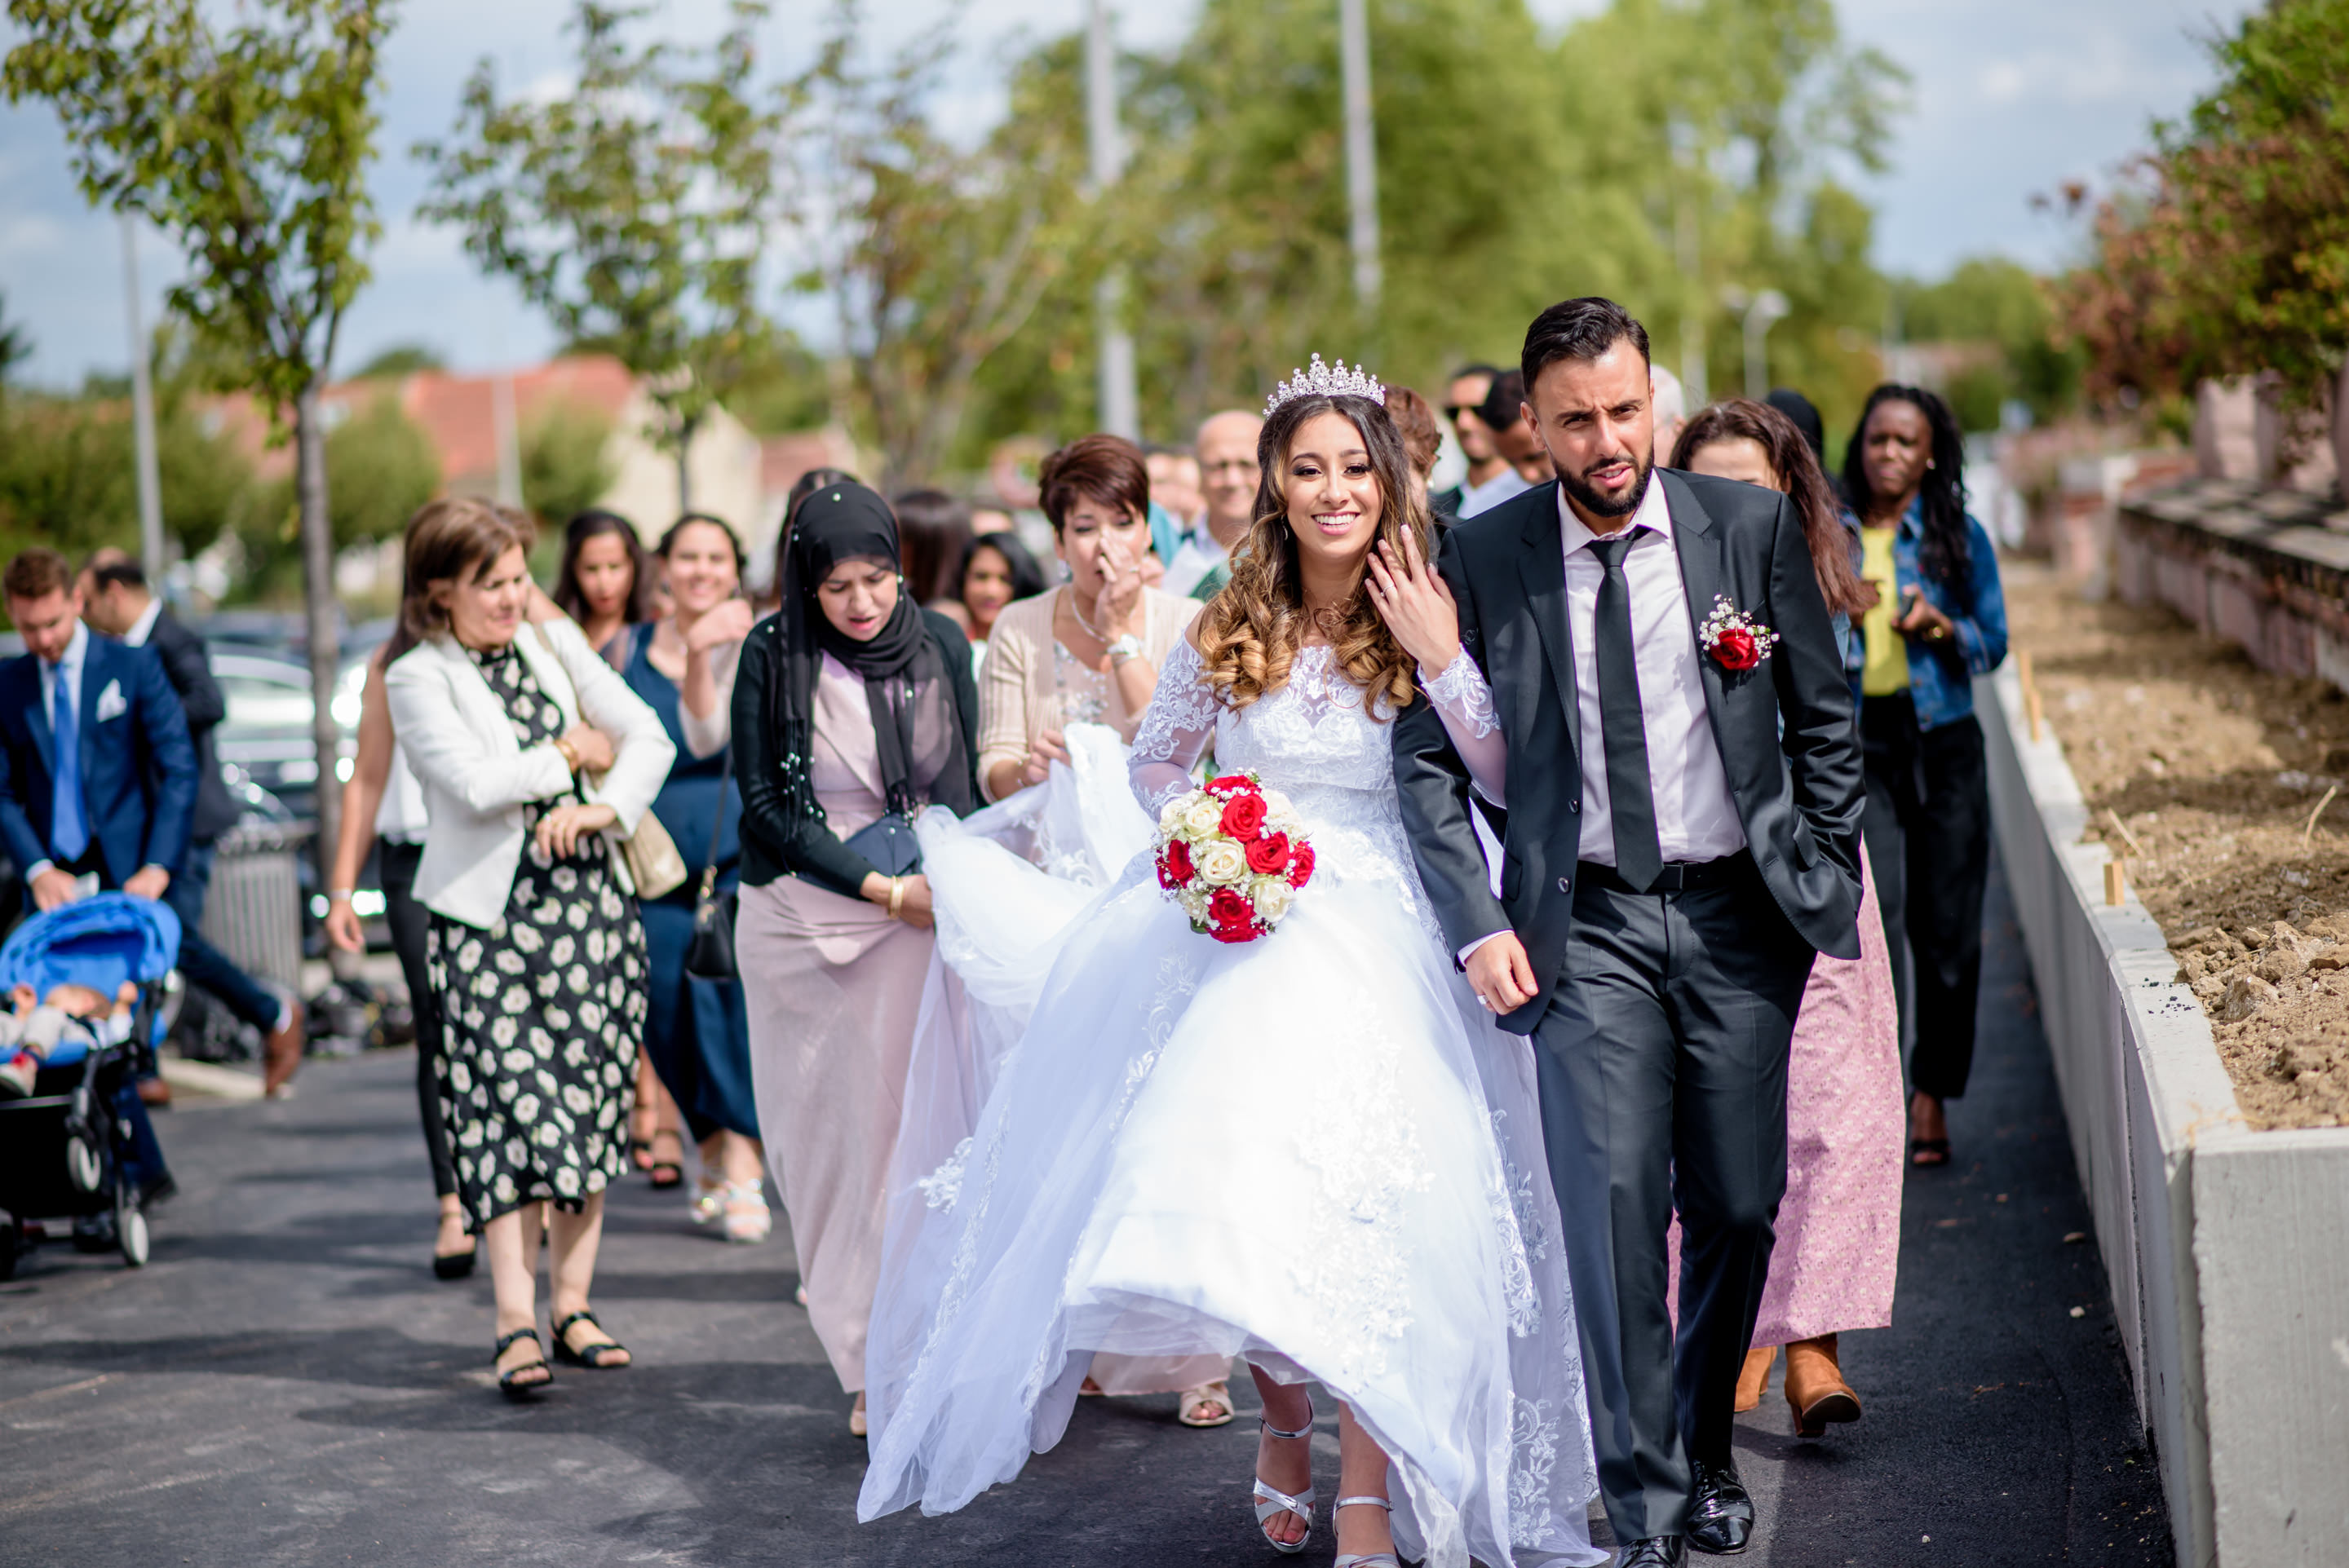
(545, 1012)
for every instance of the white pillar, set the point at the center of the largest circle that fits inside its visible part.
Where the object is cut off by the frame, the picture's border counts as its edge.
(1361, 150)
(142, 415)
(1118, 405)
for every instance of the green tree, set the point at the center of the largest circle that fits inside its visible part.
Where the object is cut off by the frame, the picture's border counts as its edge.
(16, 346)
(244, 136)
(402, 360)
(66, 475)
(933, 258)
(567, 464)
(1993, 301)
(633, 210)
(384, 467)
(2231, 255)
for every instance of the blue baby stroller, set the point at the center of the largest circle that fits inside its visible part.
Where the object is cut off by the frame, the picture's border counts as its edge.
(66, 1150)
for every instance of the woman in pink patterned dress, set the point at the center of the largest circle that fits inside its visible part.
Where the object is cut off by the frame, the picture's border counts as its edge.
(1840, 1226)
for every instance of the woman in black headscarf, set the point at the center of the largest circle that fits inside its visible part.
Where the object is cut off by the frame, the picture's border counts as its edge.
(853, 711)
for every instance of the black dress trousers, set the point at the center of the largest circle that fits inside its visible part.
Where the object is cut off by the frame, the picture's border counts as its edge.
(1662, 1068)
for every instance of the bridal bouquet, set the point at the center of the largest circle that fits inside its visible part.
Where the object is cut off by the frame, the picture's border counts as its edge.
(1233, 854)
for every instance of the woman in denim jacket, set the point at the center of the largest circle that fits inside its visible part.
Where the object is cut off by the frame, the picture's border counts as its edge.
(1939, 621)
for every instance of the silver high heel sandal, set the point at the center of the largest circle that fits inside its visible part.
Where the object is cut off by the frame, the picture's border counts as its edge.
(1271, 1503)
(1357, 1559)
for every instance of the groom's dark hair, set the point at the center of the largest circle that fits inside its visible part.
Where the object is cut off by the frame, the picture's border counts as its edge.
(1579, 329)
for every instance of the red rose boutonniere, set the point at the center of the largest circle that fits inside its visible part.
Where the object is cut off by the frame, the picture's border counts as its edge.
(1736, 641)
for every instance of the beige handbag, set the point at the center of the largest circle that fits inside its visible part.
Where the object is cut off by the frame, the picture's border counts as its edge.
(654, 864)
(652, 858)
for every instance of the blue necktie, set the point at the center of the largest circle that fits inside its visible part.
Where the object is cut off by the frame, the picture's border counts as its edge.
(68, 819)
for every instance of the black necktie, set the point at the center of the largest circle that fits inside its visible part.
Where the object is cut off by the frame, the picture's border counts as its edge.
(1631, 801)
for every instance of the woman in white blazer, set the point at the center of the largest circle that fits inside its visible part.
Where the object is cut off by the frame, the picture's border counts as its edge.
(536, 762)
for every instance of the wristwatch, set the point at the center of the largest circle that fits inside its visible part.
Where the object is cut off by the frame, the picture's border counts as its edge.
(1126, 647)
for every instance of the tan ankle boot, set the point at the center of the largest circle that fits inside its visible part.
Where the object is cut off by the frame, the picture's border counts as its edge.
(1756, 1376)
(1815, 1388)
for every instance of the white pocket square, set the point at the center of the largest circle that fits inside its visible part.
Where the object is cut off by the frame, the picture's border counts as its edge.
(111, 704)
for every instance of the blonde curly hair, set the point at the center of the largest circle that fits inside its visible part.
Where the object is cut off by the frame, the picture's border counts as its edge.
(1250, 631)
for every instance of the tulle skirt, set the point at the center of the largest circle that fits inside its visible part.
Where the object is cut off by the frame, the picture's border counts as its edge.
(1382, 1226)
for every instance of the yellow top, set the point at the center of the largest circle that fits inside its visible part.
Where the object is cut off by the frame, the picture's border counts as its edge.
(1887, 670)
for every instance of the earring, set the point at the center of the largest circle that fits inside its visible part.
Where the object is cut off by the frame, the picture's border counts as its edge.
(1929, 463)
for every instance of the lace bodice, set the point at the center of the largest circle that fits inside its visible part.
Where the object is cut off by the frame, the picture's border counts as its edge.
(1314, 741)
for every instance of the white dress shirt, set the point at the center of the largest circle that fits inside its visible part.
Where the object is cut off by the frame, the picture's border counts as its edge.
(144, 627)
(1484, 497)
(67, 669)
(1696, 817)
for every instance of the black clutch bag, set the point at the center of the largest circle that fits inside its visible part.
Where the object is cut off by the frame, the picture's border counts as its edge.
(710, 954)
(888, 845)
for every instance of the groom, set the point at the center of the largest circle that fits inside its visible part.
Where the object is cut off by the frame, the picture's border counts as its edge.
(1683, 801)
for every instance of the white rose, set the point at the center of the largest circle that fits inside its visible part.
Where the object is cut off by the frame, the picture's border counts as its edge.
(1272, 896)
(1223, 863)
(1276, 804)
(1195, 904)
(1170, 817)
(1202, 817)
(1286, 821)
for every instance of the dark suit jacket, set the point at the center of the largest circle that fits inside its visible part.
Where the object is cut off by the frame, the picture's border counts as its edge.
(190, 671)
(1797, 790)
(138, 769)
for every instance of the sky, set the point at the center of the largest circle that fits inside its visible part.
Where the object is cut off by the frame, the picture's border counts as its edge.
(2009, 97)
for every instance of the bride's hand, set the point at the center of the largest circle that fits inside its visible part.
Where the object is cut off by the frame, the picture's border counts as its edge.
(1416, 604)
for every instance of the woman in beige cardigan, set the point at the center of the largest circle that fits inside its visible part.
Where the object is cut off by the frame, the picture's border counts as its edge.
(1088, 650)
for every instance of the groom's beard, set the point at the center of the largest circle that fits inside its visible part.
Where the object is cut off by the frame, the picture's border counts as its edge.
(1599, 505)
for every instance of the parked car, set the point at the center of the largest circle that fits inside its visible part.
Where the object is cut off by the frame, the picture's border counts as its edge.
(266, 733)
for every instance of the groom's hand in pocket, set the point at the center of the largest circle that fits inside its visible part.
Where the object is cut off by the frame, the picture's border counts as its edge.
(1502, 974)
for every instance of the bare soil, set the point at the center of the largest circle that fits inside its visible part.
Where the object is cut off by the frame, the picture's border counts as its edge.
(2214, 770)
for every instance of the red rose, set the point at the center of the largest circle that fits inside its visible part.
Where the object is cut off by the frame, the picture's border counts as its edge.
(1230, 917)
(1174, 869)
(1244, 817)
(1734, 649)
(1268, 854)
(1232, 784)
(1300, 865)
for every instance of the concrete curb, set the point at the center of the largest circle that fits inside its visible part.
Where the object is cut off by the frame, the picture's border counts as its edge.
(2224, 1246)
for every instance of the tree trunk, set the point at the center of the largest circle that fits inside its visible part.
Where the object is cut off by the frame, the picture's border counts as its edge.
(685, 430)
(324, 624)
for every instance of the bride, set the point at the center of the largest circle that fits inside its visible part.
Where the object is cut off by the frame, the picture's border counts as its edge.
(1389, 1233)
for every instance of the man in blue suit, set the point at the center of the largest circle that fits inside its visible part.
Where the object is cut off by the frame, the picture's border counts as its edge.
(97, 780)
(98, 777)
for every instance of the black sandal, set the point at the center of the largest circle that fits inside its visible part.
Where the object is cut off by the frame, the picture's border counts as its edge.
(1925, 1153)
(506, 1384)
(454, 1265)
(667, 1173)
(592, 1356)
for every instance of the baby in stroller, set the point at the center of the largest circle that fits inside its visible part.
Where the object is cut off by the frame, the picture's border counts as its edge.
(71, 1014)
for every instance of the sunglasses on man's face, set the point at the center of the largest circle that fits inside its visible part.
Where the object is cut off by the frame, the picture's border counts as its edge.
(1453, 412)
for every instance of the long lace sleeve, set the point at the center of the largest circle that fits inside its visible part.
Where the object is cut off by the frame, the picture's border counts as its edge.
(1464, 703)
(1175, 729)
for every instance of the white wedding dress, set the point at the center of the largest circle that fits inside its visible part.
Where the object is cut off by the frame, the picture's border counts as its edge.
(1381, 1223)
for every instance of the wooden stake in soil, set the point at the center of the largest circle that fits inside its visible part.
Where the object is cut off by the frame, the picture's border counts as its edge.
(2030, 691)
(2128, 837)
(2117, 881)
(2308, 834)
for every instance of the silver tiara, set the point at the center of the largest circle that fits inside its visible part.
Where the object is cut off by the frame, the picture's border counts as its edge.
(1322, 381)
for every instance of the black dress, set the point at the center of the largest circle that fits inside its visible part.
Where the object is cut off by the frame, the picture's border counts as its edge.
(543, 1012)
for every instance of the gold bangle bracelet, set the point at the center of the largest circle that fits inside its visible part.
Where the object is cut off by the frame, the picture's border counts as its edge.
(896, 895)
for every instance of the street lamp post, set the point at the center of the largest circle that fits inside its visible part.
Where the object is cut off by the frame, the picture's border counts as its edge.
(1120, 408)
(142, 415)
(1764, 310)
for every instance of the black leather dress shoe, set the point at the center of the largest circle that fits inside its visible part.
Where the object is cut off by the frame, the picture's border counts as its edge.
(1720, 1516)
(1653, 1551)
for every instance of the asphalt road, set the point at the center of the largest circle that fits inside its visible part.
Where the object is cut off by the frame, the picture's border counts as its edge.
(285, 1383)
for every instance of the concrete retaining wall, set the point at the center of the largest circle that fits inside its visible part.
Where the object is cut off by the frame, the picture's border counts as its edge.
(2228, 1249)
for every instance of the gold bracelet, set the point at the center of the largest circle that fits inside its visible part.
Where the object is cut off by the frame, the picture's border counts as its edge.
(568, 752)
(896, 895)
